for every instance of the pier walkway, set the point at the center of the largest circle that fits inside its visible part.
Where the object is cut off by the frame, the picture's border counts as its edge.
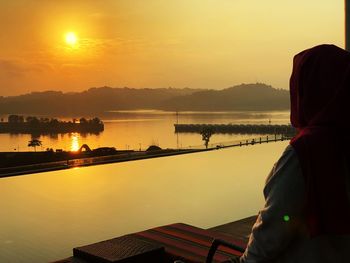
(236, 128)
(133, 156)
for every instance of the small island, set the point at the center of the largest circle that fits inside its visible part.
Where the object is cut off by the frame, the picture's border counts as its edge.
(35, 125)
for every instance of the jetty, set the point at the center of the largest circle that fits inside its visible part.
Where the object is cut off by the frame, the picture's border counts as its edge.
(20, 163)
(236, 128)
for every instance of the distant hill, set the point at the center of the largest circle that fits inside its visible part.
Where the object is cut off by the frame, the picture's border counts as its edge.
(242, 97)
(96, 101)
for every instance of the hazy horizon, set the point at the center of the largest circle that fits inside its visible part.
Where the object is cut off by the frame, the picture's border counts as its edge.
(137, 88)
(74, 45)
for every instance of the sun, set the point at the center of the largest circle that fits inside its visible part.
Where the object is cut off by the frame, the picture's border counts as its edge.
(71, 39)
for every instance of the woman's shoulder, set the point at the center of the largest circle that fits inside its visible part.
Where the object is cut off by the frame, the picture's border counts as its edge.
(286, 171)
(288, 153)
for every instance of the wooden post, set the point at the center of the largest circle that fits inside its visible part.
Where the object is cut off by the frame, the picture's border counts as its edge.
(347, 25)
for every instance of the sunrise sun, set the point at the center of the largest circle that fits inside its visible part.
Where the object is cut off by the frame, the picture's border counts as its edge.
(71, 39)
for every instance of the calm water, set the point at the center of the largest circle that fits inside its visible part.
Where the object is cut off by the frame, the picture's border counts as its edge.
(43, 216)
(135, 129)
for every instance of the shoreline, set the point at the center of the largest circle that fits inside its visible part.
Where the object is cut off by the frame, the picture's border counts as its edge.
(116, 158)
(89, 161)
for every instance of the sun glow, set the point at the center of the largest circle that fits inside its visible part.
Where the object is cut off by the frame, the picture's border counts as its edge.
(71, 39)
(75, 142)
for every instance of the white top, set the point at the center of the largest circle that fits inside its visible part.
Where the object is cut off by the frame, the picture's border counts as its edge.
(274, 238)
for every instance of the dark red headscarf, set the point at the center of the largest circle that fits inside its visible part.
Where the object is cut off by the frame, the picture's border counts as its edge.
(320, 109)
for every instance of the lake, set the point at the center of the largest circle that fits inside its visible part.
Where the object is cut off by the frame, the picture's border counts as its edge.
(140, 129)
(43, 216)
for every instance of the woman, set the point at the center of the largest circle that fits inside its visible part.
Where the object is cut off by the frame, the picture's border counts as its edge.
(306, 217)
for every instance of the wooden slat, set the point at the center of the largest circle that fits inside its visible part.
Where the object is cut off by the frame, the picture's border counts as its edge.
(240, 229)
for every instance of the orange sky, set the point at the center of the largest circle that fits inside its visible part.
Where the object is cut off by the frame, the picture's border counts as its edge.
(158, 43)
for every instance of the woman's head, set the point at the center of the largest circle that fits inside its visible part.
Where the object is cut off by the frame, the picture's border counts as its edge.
(320, 87)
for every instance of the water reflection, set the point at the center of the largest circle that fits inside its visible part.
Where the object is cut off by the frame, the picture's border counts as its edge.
(43, 216)
(74, 141)
(53, 136)
(128, 130)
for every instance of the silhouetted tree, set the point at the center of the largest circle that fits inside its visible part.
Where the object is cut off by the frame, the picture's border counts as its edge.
(206, 134)
(96, 121)
(33, 121)
(34, 143)
(44, 120)
(54, 122)
(83, 121)
(15, 119)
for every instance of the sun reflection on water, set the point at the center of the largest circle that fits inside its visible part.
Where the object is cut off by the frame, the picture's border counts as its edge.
(74, 146)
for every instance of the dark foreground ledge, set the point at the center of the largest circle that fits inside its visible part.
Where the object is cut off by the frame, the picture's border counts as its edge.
(166, 244)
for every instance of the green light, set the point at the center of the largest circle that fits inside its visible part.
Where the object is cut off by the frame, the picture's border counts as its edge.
(286, 218)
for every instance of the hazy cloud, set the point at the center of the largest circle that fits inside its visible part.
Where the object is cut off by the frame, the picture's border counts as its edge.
(16, 68)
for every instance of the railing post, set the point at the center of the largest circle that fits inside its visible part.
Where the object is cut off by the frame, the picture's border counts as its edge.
(347, 25)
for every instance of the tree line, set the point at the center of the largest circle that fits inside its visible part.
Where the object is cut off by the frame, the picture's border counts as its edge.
(33, 124)
(33, 120)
